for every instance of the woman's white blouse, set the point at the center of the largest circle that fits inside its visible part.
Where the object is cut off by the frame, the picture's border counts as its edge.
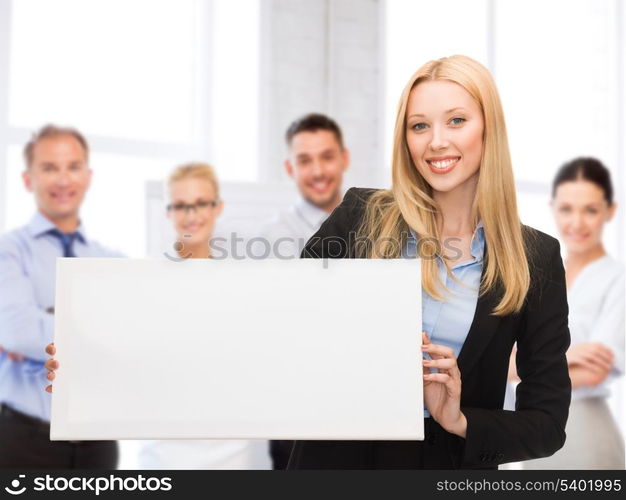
(596, 314)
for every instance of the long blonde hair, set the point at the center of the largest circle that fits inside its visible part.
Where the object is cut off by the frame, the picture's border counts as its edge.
(390, 214)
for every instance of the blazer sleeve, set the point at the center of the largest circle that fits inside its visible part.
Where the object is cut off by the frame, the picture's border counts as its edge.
(537, 428)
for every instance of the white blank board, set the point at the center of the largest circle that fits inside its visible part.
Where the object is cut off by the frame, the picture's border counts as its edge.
(300, 349)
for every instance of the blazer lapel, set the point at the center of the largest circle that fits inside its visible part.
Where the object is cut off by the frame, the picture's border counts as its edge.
(484, 325)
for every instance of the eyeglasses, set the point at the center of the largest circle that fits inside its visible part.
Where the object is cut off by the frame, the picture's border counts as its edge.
(199, 206)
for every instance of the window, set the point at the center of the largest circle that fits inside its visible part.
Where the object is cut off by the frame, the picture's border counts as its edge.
(150, 84)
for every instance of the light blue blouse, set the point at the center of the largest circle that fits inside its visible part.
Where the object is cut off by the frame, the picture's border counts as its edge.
(448, 322)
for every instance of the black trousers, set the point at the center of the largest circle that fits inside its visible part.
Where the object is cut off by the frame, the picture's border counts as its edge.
(438, 450)
(25, 443)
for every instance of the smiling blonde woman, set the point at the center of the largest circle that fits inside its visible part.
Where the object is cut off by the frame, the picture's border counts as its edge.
(487, 281)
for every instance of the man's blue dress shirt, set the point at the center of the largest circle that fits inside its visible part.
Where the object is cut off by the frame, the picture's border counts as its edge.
(27, 286)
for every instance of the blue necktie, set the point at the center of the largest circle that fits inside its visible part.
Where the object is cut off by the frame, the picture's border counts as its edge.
(67, 241)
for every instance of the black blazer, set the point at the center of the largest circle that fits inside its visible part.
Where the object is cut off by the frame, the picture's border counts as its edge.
(494, 436)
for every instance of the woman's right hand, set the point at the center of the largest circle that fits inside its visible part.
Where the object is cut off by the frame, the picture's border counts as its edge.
(51, 365)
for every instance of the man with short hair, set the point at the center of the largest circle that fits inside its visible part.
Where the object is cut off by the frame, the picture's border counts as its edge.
(58, 174)
(316, 161)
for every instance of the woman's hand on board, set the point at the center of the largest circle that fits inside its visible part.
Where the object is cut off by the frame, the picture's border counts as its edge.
(442, 390)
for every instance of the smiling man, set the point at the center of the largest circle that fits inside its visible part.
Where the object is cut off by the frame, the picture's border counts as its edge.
(58, 174)
(316, 161)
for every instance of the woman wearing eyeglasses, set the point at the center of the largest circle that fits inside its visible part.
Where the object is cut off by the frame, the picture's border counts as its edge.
(193, 208)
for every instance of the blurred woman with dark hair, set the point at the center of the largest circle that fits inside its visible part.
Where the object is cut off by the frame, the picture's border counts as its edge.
(582, 203)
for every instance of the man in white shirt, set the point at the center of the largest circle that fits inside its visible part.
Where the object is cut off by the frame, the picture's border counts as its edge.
(316, 161)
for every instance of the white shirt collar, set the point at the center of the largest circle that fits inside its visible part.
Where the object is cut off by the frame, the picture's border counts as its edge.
(312, 214)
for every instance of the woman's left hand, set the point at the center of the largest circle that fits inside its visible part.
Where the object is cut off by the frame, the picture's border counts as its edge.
(442, 390)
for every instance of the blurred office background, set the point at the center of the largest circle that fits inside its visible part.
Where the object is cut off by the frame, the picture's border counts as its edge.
(154, 83)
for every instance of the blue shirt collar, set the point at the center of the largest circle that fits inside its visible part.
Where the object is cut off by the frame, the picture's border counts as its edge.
(40, 224)
(477, 245)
